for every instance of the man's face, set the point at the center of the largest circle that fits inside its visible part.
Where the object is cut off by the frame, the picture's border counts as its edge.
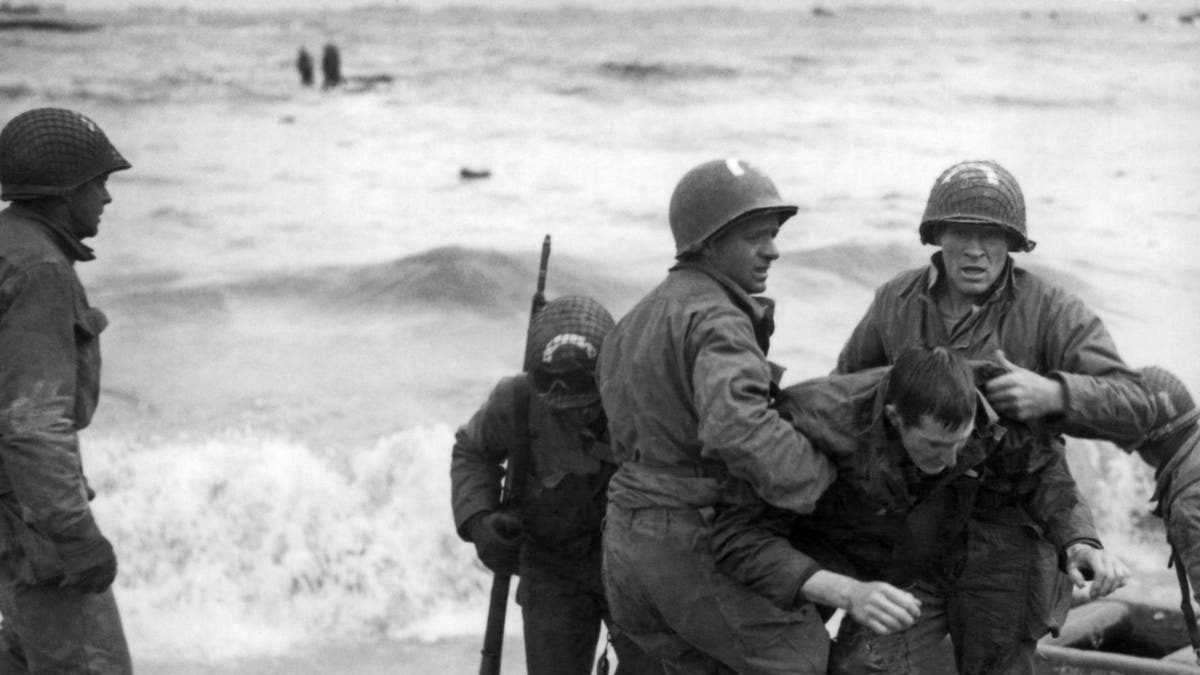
(745, 251)
(86, 204)
(974, 256)
(932, 447)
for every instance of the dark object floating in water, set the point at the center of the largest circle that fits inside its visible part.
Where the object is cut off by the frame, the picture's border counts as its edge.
(365, 82)
(55, 25)
(821, 12)
(466, 173)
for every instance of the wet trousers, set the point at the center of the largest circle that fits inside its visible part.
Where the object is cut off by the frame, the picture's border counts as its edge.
(666, 594)
(562, 620)
(48, 630)
(1008, 595)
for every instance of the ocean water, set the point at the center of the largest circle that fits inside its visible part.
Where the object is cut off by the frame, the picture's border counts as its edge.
(306, 300)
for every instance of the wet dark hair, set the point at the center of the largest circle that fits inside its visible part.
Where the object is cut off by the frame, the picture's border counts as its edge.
(932, 381)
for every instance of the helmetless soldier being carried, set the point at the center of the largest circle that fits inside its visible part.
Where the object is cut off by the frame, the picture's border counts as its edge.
(553, 415)
(56, 567)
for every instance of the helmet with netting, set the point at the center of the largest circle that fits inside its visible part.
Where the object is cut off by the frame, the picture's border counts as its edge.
(977, 193)
(715, 194)
(1173, 405)
(564, 341)
(48, 152)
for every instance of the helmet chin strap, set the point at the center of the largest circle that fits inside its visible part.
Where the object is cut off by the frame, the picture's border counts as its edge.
(1173, 426)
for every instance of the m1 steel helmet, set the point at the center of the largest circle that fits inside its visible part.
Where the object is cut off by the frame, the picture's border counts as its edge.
(1174, 408)
(48, 152)
(564, 341)
(716, 193)
(977, 193)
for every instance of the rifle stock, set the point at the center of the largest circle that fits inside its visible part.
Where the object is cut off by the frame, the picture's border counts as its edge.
(516, 467)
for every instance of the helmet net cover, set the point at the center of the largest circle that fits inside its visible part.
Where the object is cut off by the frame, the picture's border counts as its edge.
(565, 337)
(50, 151)
(717, 193)
(1172, 401)
(977, 193)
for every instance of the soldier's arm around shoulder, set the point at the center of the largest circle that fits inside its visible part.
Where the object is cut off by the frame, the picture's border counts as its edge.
(482, 445)
(731, 380)
(1103, 397)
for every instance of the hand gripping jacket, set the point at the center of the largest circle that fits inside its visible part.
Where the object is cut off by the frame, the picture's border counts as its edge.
(978, 193)
(48, 152)
(566, 336)
(716, 193)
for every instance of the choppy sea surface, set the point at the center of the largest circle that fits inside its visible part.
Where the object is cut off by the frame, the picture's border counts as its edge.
(306, 299)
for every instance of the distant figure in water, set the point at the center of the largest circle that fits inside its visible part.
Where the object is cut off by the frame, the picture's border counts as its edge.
(304, 64)
(331, 66)
(57, 569)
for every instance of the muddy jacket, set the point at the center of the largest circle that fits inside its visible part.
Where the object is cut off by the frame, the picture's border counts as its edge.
(564, 495)
(50, 358)
(1177, 494)
(882, 519)
(687, 387)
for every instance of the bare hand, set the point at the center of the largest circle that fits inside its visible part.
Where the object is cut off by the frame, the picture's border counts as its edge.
(1106, 572)
(1022, 394)
(882, 607)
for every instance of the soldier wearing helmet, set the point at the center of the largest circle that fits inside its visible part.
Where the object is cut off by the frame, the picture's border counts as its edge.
(552, 415)
(1172, 447)
(685, 381)
(1049, 367)
(56, 567)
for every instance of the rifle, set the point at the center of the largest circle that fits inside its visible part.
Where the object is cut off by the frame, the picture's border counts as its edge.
(515, 471)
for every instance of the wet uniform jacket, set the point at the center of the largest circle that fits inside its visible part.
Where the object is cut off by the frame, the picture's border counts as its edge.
(564, 496)
(1044, 329)
(882, 519)
(1178, 496)
(50, 358)
(701, 431)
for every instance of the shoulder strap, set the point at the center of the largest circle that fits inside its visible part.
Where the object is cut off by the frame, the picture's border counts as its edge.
(1189, 615)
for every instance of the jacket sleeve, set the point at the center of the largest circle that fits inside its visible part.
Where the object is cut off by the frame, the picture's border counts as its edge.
(40, 445)
(731, 379)
(750, 545)
(1058, 507)
(1105, 399)
(481, 447)
(864, 349)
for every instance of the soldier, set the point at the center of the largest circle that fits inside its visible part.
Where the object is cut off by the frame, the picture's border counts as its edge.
(1055, 370)
(56, 568)
(1171, 448)
(304, 64)
(552, 414)
(687, 386)
(331, 66)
